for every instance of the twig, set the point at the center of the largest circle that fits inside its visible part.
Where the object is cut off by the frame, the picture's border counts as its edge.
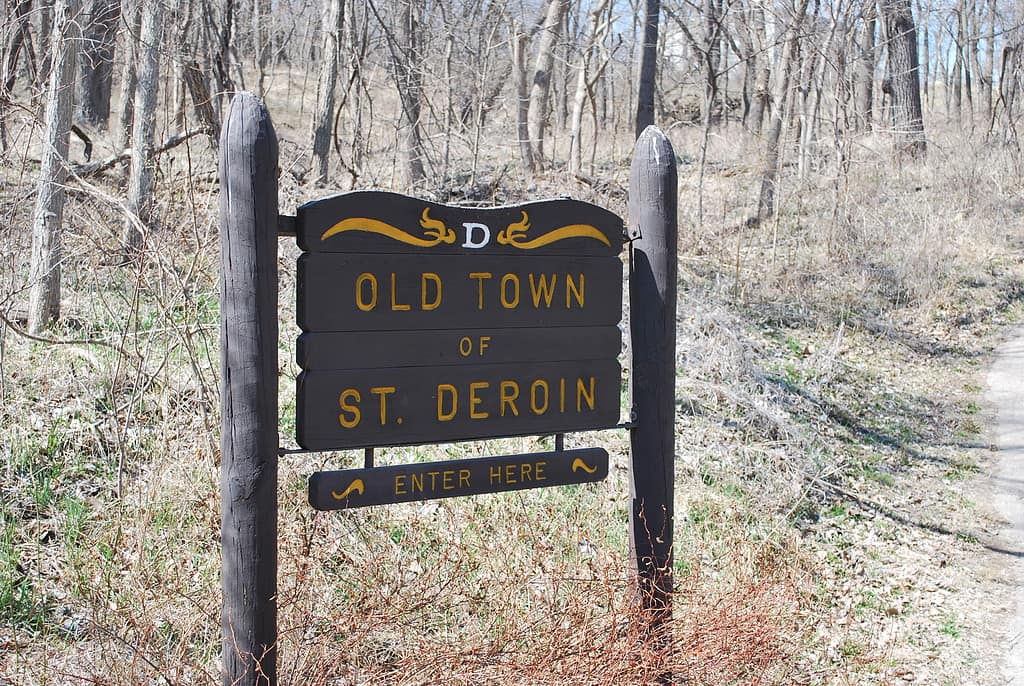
(57, 341)
(125, 155)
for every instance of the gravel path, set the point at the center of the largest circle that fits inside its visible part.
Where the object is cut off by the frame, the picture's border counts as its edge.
(1006, 395)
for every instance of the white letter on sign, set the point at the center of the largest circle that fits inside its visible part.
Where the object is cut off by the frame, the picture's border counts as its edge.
(485, 235)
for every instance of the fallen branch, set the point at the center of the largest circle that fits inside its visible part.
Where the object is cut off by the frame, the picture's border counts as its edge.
(96, 167)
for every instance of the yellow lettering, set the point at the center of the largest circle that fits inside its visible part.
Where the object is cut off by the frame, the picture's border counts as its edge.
(465, 346)
(484, 343)
(361, 303)
(452, 393)
(509, 391)
(433, 480)
(572, 290)
(448, 480)
(395, 305)
(400, 484)
(464, 478)
(475, 400)
(583, 394)
(354, 415)
(524, 470)
(436, 302)
(509, 302)
(538, 469)
(417, 482)
(543, 289)
(561, 395)
(510, 473)
(495, 474)
(480, 276)
(535, 405)
(383, 392)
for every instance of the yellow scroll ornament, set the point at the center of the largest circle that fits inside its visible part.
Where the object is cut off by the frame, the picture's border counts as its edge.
(356, 486)
(435, 231)
(515, 234)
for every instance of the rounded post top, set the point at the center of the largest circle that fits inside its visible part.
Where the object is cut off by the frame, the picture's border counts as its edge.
(654, 148)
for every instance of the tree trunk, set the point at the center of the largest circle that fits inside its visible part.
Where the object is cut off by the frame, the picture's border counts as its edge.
(140, 180)
(540, 91)
(767, 197)
(96, 68)
(712, 54)
(519, 42)
(908, 122)
(865, 69)
(126, 107)
(323, 116)
(44, 293)
(648, 68)
(410, 90)
(759, 102)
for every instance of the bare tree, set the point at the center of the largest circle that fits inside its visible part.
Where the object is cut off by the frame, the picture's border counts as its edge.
(770, 175)
(907, 119)
(540, 91)
(44, 294)
(96, 66)
(648, 67)
(140, 179)
(323, 117)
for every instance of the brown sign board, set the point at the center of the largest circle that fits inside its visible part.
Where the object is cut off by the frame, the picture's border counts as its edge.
(376, 292)
(410, 405)
(372, 349)
(380, 222)
(353, 488)
(426, 323)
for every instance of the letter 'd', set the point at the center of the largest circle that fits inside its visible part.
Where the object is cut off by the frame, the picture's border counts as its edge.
(485, 235)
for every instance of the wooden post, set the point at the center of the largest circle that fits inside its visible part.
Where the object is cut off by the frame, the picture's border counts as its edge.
(249, 440)
(652, 324)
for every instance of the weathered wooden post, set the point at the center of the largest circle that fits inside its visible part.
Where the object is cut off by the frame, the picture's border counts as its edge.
(249, 440)
(652, 301)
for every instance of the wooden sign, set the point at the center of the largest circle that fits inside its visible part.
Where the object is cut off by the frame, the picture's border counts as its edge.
(352, 488)
(425, 323)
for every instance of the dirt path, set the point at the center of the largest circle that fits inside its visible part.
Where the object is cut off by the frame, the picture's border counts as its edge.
(1006, 396)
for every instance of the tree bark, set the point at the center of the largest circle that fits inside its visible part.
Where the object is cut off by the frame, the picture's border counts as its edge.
(648, 68)
(96, 67)
(908, 122)
(323, 116)
(540, 91)
(44, 292)
(519, 42)
(769, 178)
(410, 90)
(140, 180)
(865, 69)
(759, 101)
(126, 107)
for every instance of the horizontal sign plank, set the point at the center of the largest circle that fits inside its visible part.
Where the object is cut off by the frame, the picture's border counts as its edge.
(376, 349)
(370, 292)
(375, 221)
(352, 488)
(338, 409)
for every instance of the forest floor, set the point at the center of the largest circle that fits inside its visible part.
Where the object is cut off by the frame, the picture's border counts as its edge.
(836, 482)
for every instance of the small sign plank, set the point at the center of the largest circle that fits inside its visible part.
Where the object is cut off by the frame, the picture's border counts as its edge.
(371, 292)
(381, 222)
(351, 488)
(375, 350)
(364, 408)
